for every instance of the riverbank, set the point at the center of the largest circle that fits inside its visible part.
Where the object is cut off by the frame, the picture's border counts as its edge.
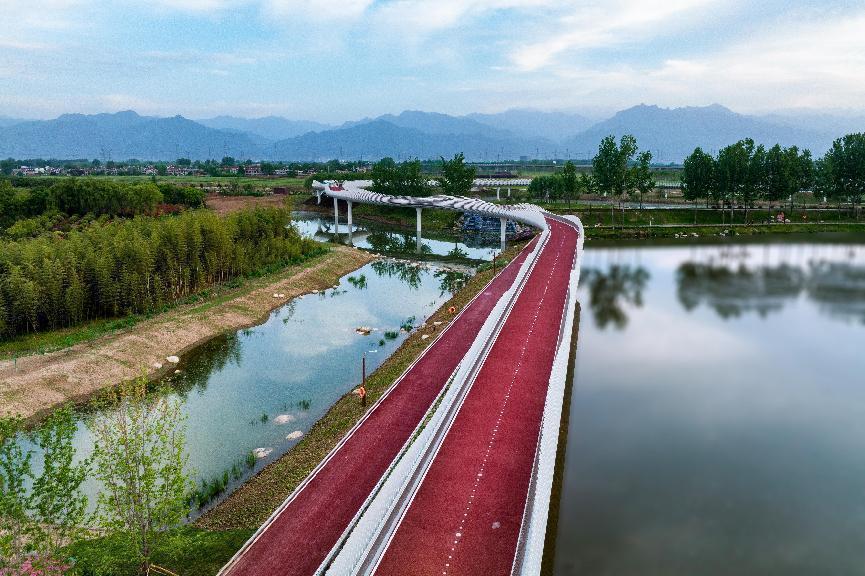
(32, 386)
(251, 504)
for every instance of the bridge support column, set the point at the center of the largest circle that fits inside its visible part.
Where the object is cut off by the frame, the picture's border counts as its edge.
(509, 192)
(498, 193)
(336, 217)
(418, 237)
(349, 223)
(504, 222)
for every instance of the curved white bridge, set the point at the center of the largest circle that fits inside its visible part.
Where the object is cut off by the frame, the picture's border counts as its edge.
(355, 191)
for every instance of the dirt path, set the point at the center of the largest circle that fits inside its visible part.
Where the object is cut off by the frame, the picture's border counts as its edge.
(34, 385)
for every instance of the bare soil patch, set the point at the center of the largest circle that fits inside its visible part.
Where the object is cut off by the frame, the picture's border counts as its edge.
(227, 204)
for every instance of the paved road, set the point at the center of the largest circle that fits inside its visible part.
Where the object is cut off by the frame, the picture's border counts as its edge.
(297, 540)
(466, 516)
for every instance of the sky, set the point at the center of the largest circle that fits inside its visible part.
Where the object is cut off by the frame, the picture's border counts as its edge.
(337, 60)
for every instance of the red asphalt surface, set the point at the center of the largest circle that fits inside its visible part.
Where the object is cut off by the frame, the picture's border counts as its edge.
(299, 539)
(466, 515)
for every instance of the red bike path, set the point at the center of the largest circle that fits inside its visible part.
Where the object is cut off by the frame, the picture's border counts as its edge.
(299, 538)
(466, 515)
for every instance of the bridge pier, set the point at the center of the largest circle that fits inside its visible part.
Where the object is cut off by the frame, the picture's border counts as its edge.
(336, 217)
(509, 192)
(498, 193)
(418, 237)
(504, 223)
(349, 223)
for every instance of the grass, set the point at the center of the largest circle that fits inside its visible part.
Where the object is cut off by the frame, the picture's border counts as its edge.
(188, 551)
(253, 502)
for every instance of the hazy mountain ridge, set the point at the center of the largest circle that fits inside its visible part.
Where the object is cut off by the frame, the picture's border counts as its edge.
(671, 134)
(378, 138)
(122, 136)
(272, 128)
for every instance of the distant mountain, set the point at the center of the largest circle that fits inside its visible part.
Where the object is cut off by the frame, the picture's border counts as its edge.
(835, 123)
(672, 134)
(553, 126)
(379, 138)
(272, 128)
(435, 123)
(7, 121)
(122, 136)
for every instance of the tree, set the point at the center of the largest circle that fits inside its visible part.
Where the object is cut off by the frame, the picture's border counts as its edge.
(139, 458)
(610, 167)
(456, 177)
(698, 176)
(569, 181)
(640, 175)
(43, 519)
(404, 179)
(733, 171)
(14, 470)
(59, 506)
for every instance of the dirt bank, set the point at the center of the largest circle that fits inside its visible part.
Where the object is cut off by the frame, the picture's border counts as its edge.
(33, 385)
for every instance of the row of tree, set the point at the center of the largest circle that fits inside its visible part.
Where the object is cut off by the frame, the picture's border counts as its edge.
(133, 266)
(80, 196)
(407, 178)
(744, 172)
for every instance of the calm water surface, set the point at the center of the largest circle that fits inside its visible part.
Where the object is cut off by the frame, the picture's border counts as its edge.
(375, 236)
(717, 423)
(295, 365)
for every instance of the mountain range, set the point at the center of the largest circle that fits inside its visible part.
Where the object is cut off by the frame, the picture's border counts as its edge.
(671, 134)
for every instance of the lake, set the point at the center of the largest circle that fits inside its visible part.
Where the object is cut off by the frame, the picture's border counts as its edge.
(717, 421)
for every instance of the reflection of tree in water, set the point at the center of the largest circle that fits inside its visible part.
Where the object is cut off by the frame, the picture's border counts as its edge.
(208, 358)
(731, 292)
(407, 272)
(358, 282)
(608, 291)
(393, 242)
(450, 281)
(838, 289)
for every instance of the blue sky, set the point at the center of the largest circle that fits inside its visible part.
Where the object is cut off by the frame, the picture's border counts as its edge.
(331, 60)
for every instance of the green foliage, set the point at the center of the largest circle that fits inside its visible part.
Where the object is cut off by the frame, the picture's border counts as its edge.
(391, 335)
(456, 177)
(139, 459)
(404, 179)
(698, 175)
(610, 165)
(42, 519)
(137, 266)
(183, 195)
(841, 173)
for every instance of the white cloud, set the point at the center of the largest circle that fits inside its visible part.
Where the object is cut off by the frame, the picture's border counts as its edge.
(598, 24)
(336, 11)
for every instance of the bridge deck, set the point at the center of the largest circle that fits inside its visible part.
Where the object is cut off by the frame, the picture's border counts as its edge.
(298, 538)
(467, 514)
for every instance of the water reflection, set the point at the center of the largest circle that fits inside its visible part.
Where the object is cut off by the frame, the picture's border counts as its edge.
(733, 290)
(610, 291)
(382, 238)
(721, 430)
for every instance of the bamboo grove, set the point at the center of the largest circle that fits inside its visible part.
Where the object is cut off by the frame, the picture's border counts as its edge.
(138, 265)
